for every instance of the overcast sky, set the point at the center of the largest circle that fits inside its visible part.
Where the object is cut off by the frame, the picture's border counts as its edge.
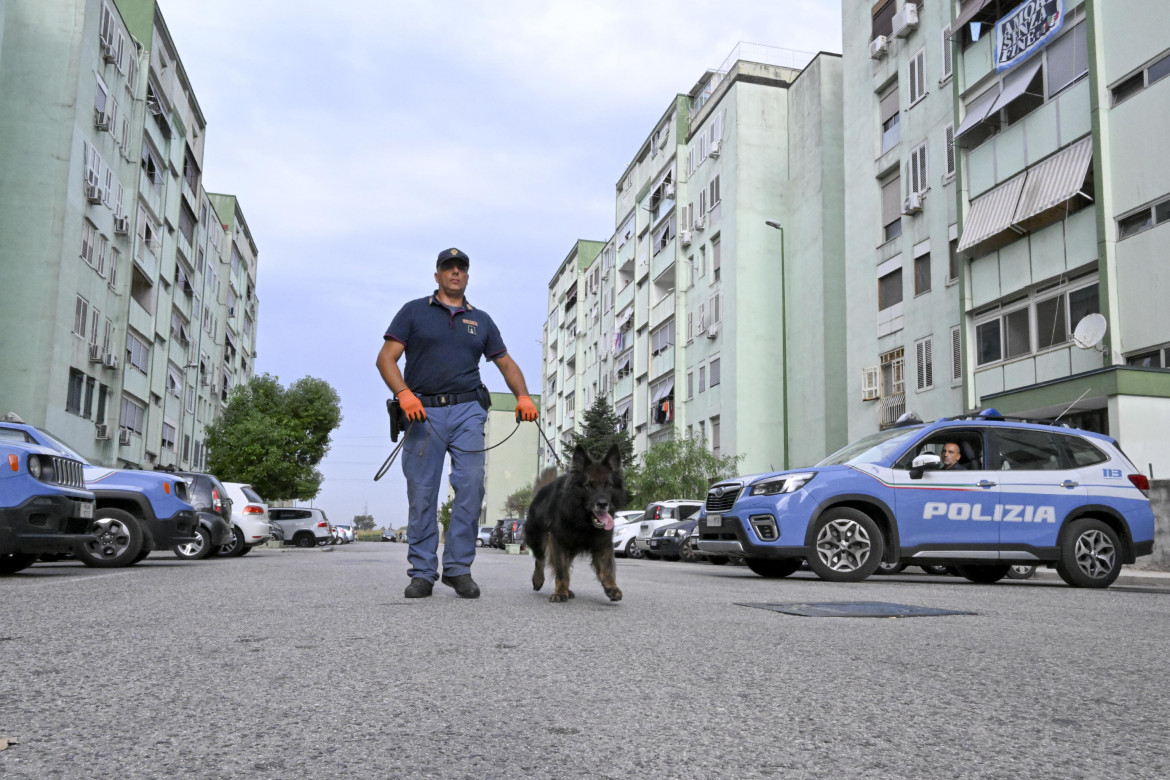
(363, 136)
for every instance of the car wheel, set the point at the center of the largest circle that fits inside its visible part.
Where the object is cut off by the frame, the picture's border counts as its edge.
(935, 569)
(890, 568)
(196, 550)
(983, 573)
(1021, 571)
(479, 542)
(847, 546)
(235, 547)
(247, 548)
(141, 556)
(688, 552)
(773, 568)
(118, 543)
(1090, 554)
(632, 550)
(305, 540)
(11, 563)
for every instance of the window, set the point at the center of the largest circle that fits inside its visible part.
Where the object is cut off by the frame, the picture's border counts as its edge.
(662, 236)
(922, 352)
(1140, 80)
(922, 274)
(713, 196)
(889, 117)
(890, 289)
(948, 57)
(953, 264)
(956, 354)
(76, 390)
(918, 172)
(714, 309)
(1052, 317)
(133, 415)
(702, 378)
(80, 317)
(715, 259)
(714, 371)
(99, 263)
(1153, 214)
(187, 222)
(88, 239)
(949, 135)
(168, 436)
(690, 385)
(1016, 449)
(892, 208)
(1081, 452)
(715, 436)
(883, 18)
(137, 353)
(662, 339)
(917, 76)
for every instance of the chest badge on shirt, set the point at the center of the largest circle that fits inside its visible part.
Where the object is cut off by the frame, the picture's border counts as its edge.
(471, 325)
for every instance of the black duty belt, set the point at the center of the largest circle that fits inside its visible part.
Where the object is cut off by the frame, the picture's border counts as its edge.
(448, 399)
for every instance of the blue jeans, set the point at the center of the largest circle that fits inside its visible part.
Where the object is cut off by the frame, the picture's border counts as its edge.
(456, 428)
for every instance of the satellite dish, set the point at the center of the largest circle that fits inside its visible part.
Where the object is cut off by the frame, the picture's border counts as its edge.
(1089, 331)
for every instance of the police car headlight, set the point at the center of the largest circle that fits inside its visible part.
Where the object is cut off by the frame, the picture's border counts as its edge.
(788, 483)
(34, 466)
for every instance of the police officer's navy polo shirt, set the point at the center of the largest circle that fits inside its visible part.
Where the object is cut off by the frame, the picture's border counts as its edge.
(443, 347)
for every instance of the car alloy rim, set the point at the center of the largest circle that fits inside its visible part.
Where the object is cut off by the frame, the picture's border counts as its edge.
(192, 548)
(843, 545)
(1095, 554)
(113, 537)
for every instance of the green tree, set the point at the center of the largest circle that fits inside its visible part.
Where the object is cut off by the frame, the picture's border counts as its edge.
(364, 522)
(445, 515)
(599, 431)
(516, 505)
(680, 468)
(273, 438)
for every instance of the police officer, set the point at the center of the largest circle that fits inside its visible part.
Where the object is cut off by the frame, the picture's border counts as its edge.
(444, 337)
(950, 457)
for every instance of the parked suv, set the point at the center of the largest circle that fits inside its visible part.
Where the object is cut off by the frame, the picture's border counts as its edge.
(1024, 493)
(136, 511)
(303, 527)
(211, 502)
(659, 513)
(44, 506)
(625, 531)
(250, 525)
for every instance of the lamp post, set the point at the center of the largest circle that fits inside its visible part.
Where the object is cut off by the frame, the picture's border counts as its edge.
(783, 335)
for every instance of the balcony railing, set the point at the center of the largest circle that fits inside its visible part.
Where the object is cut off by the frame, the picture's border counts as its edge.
(893, 407)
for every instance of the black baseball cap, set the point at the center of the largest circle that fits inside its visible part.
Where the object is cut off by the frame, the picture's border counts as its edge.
(452, 255)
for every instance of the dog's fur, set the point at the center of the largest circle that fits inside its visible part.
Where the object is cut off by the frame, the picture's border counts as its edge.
(568, 517)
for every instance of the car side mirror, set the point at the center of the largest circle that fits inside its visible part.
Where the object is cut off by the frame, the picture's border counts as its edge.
(927, 461)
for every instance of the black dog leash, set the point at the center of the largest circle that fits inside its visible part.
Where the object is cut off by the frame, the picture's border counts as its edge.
(390, 460)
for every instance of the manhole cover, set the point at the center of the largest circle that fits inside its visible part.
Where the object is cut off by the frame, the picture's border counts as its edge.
(878, 609)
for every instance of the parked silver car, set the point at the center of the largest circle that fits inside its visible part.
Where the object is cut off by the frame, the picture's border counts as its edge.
(302, 526)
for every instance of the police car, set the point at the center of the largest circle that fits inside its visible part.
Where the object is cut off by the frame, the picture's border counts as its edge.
(1022, 493)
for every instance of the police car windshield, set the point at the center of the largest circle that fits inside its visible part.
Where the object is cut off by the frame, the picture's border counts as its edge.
(872, 448)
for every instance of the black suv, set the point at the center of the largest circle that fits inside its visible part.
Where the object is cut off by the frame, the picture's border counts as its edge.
(214, 508)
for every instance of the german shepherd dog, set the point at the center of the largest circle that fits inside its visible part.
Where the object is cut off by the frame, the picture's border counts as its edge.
(571, 515)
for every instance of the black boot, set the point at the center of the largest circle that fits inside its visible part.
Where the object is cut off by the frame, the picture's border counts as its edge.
(419, 588)
(464, 586)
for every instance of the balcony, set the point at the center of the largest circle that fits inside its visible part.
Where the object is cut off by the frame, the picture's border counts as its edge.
(662, 310)
(624, 296)
(662, 363)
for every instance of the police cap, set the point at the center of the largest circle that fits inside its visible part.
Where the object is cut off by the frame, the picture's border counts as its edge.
(452, 255)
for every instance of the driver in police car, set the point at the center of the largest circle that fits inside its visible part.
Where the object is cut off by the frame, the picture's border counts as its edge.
(950, 457)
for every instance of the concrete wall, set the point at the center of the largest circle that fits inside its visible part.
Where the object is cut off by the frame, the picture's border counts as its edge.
(1160, 501)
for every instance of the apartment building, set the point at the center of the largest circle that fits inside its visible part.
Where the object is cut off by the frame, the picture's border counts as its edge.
(510, 463)
(128, 306)
(696, 316)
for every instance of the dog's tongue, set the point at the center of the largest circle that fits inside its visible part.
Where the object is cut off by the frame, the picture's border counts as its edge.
(606, 518)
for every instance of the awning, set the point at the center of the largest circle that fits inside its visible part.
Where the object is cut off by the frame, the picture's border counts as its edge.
(977, 111)
(967, 13)
(1052, 182)
(624, 362)
(623, 407)
(231, 340)
(662, 391)
(991, 213)
(1016, 82)
(625, 317)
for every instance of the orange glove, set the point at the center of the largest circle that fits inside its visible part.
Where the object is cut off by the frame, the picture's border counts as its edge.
(411, 406)
(525, 409)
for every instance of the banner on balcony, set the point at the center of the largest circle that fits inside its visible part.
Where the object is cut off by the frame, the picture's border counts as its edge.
(1025, 30)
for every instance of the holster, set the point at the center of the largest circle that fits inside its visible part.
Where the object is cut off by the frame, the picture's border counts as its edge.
(397, 418)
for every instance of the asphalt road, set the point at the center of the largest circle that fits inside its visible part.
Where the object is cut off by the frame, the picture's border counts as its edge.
(310, 663)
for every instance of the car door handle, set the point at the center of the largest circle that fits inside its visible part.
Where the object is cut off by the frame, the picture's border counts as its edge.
(985, 483)
(1068, 483)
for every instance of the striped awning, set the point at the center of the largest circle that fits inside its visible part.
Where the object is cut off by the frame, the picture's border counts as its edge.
(623, 407)
(1055, 180)
(663, 390)
(992, 213)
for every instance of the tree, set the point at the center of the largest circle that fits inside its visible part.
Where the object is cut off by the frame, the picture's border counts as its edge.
(445, 515)
(516, 505)
(680, 468)
(273, 438)
(364, 522)
(599, 431)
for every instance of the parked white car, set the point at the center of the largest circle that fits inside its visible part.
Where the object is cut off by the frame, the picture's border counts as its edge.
(625, 528)
(250, 525)
(345, 533)
(660, 513)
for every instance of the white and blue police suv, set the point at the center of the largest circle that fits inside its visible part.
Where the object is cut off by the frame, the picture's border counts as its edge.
(1022, 493)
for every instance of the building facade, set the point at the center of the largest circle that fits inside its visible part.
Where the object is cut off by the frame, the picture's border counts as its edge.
(510, 464)
(128, 304)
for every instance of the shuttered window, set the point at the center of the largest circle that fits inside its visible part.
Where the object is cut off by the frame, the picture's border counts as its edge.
(917, 76)
(918, 177)
(922, 351)
(956, 354)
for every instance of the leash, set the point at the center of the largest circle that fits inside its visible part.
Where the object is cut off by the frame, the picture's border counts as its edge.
(390, 460)
(551, 448)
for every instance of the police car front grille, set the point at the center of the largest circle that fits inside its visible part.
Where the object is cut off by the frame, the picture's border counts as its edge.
(717, 503)
(68, 472)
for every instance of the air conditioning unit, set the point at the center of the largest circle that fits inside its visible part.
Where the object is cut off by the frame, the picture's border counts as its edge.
(110, 360)
(109, 53)
(912, 204)
(714, 150)
(668, 190)
(700, 223)
(684, 237)
(877, 47)
(93, 193)
(95, 353)
(103, 431)
(101, 120)
(713, 330)
(124, 437)
(121, 226)
(214, 389)
(906, 20)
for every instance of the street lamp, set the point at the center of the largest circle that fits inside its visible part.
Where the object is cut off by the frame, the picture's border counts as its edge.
(783, 335)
